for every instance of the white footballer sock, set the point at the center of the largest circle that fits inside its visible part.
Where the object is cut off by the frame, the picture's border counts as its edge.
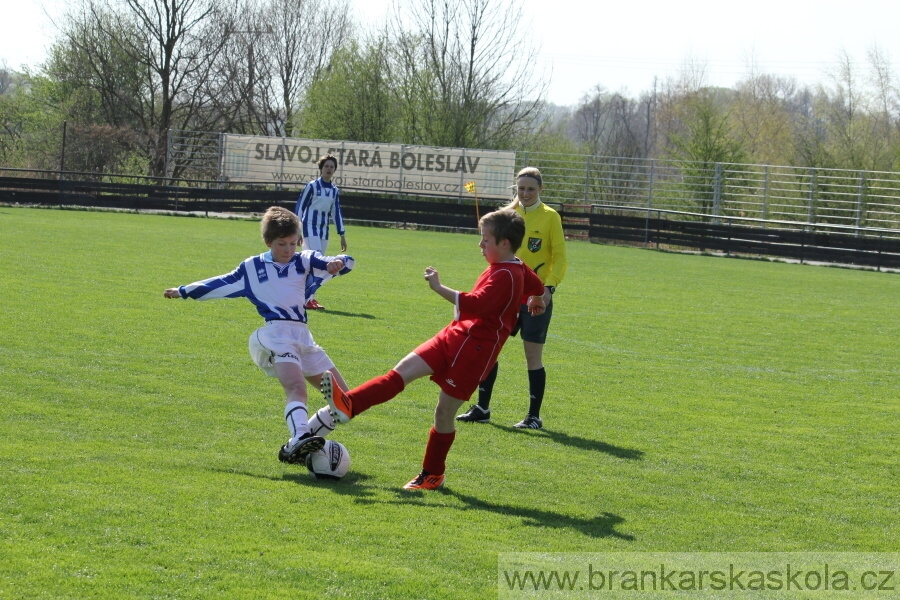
(295, 417)
(321, 423)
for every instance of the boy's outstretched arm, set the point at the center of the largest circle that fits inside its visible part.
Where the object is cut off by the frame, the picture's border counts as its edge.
(434, 280)
(322, 268)
(172, 293)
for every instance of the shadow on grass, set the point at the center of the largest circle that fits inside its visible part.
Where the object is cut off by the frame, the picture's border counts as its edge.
(354, 484)
(577, 442)
(340, 313)
(351, 485)
(601, 526)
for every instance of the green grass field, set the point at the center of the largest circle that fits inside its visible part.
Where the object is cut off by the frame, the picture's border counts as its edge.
(694, 404)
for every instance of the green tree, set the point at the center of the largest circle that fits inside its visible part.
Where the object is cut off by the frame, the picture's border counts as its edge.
(549, 147)
(30, 122)
(702, 137)
(353, 99)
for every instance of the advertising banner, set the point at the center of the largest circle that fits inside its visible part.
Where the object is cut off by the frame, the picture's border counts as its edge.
(373, 167)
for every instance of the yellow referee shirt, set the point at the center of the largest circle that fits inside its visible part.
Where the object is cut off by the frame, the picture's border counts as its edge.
(544, 246)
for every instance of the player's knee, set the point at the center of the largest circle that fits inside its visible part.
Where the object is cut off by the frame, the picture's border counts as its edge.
(445, 413)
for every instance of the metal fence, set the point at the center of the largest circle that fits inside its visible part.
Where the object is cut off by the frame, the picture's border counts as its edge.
(198, 154)
(701, 191)
(868, 199)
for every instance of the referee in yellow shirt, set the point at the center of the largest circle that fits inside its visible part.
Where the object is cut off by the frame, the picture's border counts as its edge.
(544, 250)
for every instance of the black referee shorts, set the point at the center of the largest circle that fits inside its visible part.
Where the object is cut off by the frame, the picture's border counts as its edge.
(533, 329)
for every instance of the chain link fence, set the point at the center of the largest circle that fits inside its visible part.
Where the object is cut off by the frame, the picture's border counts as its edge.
(798, 195)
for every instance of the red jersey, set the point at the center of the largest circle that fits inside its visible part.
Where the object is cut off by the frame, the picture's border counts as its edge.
(464, 351)
(491, 309)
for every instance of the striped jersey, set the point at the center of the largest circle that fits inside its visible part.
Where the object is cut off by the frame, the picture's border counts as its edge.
(318, 203)
(278, 291)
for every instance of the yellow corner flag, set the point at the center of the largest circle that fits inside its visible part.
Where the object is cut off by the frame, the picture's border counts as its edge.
(470, 187)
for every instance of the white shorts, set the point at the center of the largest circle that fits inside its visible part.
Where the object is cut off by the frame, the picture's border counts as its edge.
(315, 243)
(288, 341)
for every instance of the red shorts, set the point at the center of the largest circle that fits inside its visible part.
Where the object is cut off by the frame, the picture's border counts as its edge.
(459, 361)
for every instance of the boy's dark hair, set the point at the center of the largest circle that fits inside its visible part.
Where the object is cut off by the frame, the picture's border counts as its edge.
(505, 224)
(277, 223)
(325, 158)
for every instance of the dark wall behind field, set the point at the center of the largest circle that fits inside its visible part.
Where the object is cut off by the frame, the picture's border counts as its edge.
(652, 228)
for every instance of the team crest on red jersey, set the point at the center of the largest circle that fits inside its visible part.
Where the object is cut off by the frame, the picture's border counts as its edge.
(534, 244)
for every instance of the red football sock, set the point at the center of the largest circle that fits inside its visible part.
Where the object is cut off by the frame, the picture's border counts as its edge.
(376, 391)
(436, 451)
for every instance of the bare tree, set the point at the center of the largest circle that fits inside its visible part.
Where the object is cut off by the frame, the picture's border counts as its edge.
(239, 71)
(146, 61)
(810, 129)
(99, 148)
(845, 109)
(6, 78)
(274, 51)
(885, 107)
(611, 124)
(692, 76)
(465, 74)
(305, 37)
(762, 116)
(857, 108)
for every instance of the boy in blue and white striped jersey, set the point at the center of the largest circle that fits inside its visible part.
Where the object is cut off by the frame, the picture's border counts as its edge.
(317, 205)
(277, 282)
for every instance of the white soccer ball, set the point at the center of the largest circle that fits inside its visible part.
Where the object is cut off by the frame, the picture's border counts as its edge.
(331, 462)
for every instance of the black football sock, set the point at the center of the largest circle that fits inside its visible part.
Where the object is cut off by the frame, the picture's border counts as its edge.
(486, 388)
(537, 381)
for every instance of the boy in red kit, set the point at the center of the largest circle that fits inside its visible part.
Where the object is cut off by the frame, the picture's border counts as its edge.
(463, 352)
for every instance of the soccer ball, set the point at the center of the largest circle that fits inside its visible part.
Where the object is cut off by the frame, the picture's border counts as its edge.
(331, 462)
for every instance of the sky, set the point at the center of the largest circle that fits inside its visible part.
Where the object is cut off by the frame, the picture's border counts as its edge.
(623, 46)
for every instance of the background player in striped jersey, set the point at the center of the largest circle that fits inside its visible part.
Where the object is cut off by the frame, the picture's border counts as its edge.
(463, 352)
(276, 283)
(318, 204)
